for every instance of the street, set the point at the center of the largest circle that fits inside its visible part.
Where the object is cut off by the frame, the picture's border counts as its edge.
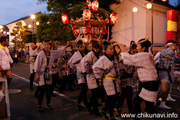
(24, 104)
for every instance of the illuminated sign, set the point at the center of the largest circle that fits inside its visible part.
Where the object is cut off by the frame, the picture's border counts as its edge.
(171, 26)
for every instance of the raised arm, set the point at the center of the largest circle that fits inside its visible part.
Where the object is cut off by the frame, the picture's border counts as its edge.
(75, 59)
(55, 54)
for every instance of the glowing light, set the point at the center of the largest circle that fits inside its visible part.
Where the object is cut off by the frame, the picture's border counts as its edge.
(37, 23)
(33, 17)
(149, 5)
(134, 9)
(29, 26)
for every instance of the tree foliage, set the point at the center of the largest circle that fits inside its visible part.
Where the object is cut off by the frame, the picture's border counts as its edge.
(52, 28)
(21, 35)
(62, 5)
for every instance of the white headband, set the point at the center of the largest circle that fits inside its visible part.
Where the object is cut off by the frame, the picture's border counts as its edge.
(169, 43)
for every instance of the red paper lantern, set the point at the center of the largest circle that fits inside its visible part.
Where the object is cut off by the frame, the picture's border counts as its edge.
(113, 18)
(65, 18)
(86, 14)
(95, 5)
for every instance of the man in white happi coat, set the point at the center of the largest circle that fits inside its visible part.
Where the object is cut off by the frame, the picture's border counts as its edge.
(74, 63)
(42, 67)
(167, 61)
(106, 69)
(149, 84)
(5, 63)
(33, 52)
(93, 83)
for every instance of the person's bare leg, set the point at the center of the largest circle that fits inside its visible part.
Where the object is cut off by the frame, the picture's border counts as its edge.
(169, 98)
(9, 76)
(163, 94)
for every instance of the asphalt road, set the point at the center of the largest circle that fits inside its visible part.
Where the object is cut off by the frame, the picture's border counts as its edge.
(24, 104)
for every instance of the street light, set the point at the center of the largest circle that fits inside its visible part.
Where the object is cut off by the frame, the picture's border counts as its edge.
(33, 17)
(134, 9)
(150, 6)
(29, 26)
(37, 23)
(1, 27)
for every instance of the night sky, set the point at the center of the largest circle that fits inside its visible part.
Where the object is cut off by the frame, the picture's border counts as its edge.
(11, 10)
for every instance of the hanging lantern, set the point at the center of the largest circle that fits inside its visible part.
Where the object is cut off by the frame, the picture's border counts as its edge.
(86, 14)
(65, 18)
(95, 5)
(113, 18)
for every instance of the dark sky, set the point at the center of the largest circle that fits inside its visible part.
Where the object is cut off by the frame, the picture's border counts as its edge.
(11, 10)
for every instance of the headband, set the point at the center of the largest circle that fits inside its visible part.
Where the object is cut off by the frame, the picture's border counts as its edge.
(143, 40)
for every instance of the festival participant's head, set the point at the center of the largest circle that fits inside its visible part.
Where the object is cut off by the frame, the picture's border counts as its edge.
(47, 45)
(172, 44)
(143, 45)
(4, 41)
(108, 48)
(132, 43)
(33, 45)
(81, 46)
(133, 49)
(96, 46)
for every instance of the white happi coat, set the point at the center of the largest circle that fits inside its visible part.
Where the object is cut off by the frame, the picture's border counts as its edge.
(128, 69)
(86, 66)
(146, 72)
(74, 62)
(41, 62)
(32, 55)
(104, 65)
(5, 59)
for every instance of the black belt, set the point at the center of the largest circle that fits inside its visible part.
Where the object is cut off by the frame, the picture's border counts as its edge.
(151, 85)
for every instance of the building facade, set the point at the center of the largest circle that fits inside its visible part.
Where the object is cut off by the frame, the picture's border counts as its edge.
(26, 21)
(137, 25)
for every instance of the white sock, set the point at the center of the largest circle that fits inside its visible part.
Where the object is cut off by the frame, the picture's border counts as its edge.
(169, 98)
(169, 95)
(163, 106)
(162, 103)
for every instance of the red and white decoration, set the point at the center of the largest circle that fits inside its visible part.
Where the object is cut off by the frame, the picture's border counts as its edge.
(95, 5)
(65, 18)
(113, 18)
(86, 14)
